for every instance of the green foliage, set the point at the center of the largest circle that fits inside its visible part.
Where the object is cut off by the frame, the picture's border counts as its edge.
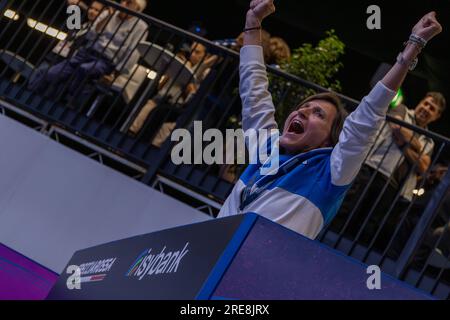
(318, 64)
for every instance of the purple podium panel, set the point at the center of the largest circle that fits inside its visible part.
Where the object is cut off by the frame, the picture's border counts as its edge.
(23, 279)
(275, 263)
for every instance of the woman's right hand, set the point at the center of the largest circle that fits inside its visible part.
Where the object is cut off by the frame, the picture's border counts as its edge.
(259, 10)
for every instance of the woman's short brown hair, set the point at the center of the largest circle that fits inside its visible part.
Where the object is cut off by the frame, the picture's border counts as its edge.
(341, 114)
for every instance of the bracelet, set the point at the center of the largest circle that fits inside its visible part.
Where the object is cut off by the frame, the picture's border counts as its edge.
(419, 40)
(253, 28)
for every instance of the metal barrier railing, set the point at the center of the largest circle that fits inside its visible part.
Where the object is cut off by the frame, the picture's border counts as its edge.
(172, 78)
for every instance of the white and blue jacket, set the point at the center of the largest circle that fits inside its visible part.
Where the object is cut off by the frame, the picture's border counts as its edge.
(308, 195)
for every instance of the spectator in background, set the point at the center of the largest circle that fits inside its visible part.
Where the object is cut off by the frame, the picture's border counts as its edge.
(109, 50)
(64, 49)
(96, 13)
(170, 93)
(389, 162)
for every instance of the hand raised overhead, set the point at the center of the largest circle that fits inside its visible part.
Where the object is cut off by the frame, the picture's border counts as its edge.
(260, 9)
(427, 27)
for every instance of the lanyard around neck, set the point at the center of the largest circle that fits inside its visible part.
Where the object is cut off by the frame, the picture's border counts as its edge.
(254, 189)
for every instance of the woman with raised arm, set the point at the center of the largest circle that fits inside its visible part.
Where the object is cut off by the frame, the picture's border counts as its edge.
(320, 153)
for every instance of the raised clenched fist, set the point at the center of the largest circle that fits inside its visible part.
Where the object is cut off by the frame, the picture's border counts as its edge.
(260, 9)
(428, 27)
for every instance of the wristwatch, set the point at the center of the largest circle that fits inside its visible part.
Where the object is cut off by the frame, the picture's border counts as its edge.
(411, 66)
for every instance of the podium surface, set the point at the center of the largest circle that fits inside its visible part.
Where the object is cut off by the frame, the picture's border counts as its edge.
(241, 257)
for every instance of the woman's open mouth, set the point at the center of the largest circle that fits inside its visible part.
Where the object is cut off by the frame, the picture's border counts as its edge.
(296, 127)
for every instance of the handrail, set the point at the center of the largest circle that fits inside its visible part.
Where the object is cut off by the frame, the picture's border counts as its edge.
(428, 133)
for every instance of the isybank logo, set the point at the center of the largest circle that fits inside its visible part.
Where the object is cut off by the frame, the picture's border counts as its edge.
(150, 263)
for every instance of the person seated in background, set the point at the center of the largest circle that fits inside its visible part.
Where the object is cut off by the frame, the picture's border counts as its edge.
(64, 49)
(396, 150)
(96, 13)
(172, 94)
(320, 150)
(109, 49)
